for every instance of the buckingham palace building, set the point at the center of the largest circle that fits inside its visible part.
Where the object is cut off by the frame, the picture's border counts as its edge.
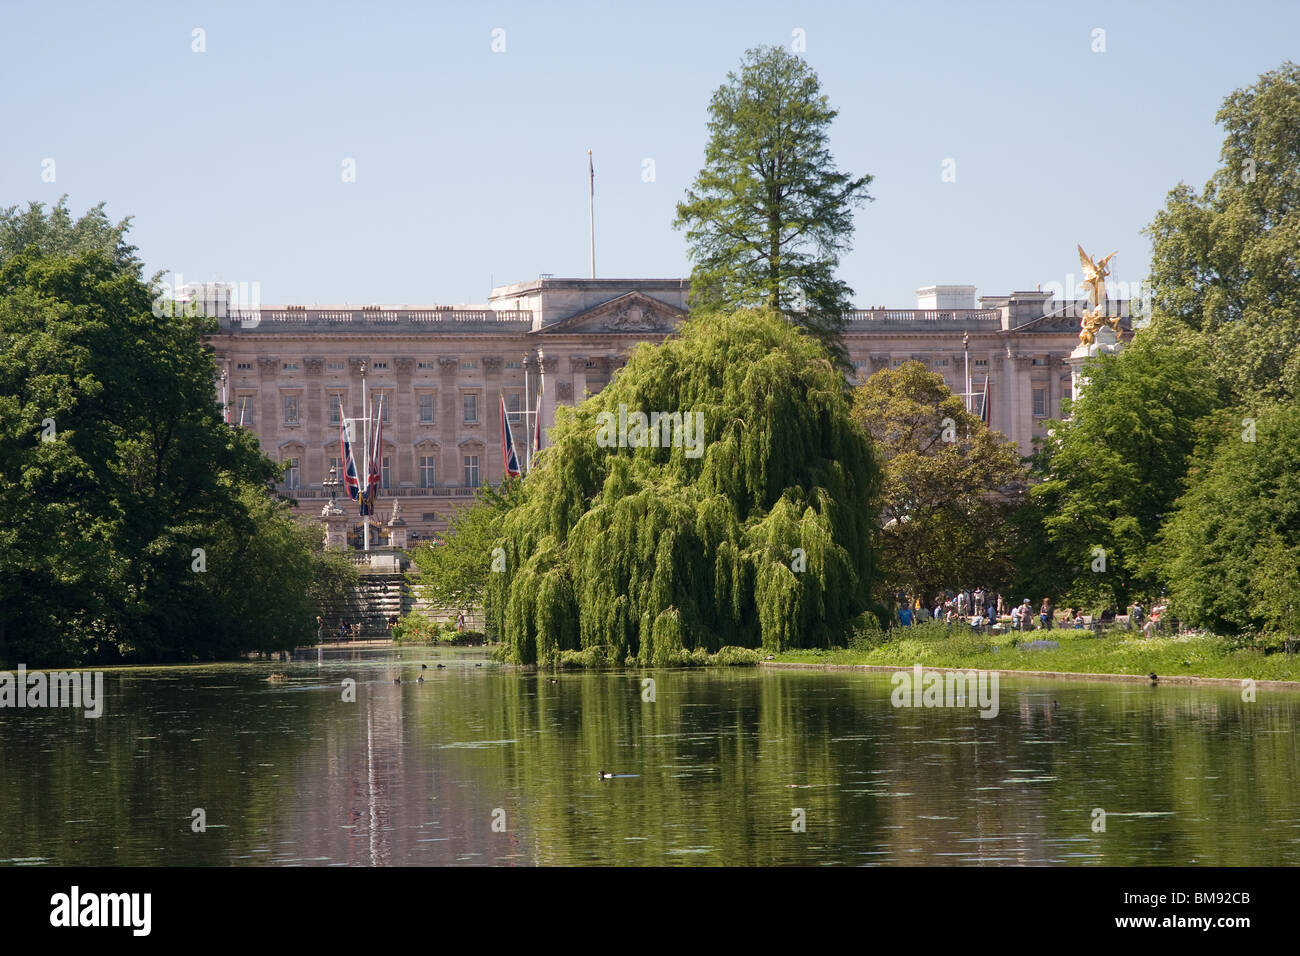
(442, 370)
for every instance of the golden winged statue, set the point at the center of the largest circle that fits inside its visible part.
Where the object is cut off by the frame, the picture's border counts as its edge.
(1094, 277)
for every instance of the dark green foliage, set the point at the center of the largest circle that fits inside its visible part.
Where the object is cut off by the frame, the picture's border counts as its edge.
(1116, 468)
(100, 523)
(453, 573)
(951, 485)
(1231, 554)
(650, 553)
(1224, 271)
(769, 215)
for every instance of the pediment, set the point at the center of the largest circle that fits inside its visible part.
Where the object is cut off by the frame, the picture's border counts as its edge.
(1065, 320)
(632, 312)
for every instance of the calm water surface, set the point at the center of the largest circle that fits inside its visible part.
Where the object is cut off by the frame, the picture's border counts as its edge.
(717, 766)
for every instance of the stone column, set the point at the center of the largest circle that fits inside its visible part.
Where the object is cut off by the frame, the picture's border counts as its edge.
(402, 428)
(449, 416)
(578, 366)
(548, 367)
(490, 413)
(1022, 425)
(314, 416)
(268, 425)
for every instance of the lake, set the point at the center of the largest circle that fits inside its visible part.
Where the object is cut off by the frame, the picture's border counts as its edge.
(487, 765)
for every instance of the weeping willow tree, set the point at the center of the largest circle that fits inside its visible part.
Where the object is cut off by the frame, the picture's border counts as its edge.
(755, 530)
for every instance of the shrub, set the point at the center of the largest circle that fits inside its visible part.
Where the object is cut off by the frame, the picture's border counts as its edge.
(732, 656)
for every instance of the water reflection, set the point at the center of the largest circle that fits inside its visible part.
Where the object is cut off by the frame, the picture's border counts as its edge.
(481, 765)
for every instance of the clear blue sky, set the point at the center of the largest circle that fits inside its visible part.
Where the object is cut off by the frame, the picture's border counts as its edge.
(471, 166)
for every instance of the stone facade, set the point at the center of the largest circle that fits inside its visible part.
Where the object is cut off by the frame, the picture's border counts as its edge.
(442, 370)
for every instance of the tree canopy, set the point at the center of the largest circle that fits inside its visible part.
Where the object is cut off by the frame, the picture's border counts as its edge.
(1231, 552)
(134, 523)
(763, 538)
(951, 484)
(1116, 467)
(769, 214)
(1224, 269)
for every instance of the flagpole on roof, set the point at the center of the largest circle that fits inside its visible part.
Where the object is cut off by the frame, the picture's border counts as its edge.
(363, 479)
(591, 210)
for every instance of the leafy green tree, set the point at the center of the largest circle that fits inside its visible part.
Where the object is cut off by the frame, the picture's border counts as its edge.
(951, 484)
(56, 233)
(453, 573)
(1224, 270)
(1116, 467)
(134, 523)
(755, 527)
(769, 214)
(1231, 550)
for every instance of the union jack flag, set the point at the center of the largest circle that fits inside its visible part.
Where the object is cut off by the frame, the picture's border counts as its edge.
(350, 483)
(374, 471)
(508, 454)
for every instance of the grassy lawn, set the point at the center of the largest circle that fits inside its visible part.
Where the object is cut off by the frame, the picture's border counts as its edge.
(1116, 652)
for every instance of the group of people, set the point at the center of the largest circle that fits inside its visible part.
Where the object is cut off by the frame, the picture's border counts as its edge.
(979, 608)
(983, 609)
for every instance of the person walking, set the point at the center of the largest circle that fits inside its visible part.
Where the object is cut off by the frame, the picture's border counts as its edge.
(905, 616)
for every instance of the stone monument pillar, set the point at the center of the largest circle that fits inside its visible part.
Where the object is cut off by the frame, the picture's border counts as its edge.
(1105, 343)
(336, 526)
(397, 528)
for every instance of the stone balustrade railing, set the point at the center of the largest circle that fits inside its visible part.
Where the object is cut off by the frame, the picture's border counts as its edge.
(923, 315)
(245, 320)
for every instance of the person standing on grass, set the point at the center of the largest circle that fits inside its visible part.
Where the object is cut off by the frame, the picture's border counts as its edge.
(1046, 613)
(905, 615)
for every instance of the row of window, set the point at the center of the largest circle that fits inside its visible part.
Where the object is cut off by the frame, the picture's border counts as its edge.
(426, 408)
(426, 470)
(378, 366)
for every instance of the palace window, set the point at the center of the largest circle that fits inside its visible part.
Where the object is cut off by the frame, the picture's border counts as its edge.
(429, 516)
(290, 366)
(980, 363)
(242, 413)
(337, 465)
(514, 365)
(514, 405)
(385, 473)
(245, 366)
(468, 366)
(336, 402)
(380, 366)
(425, 366)
(291, 409)
(1040, 403)
(1040, 361)
(334, 366)
(292, 475)
(471, 471)
(428, 471)
(471, 408)
(425, 401)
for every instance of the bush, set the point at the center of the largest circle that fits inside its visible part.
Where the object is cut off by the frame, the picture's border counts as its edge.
(732, 656)
(415, 628)
(866, 633)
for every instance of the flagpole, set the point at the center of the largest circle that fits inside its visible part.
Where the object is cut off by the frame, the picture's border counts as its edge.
(591, 211)
(363, 479)
(528, 452)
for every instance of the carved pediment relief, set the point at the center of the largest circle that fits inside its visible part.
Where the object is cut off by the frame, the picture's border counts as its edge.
(633, 313)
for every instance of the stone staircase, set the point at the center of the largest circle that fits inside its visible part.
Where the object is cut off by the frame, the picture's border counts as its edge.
(377, 597)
